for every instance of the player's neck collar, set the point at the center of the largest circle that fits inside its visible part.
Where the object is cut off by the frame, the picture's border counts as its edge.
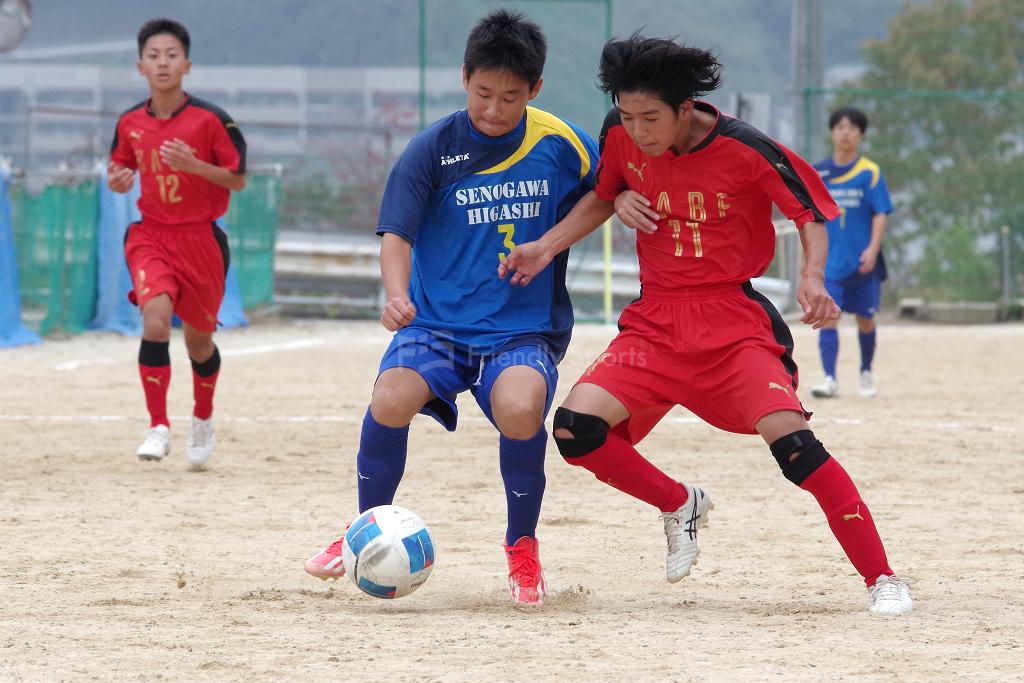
(513, 135)
(181, 108)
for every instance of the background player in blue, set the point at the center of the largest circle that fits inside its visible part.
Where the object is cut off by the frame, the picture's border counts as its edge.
(461, 196)
(855, 267)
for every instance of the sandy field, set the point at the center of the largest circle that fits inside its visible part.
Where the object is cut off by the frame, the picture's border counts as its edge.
(115, 569)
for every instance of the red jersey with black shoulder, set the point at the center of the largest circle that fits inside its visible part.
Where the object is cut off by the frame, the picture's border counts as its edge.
(715, 201)
(170, 196)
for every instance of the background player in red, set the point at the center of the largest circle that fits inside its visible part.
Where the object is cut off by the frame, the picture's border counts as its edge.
(699, 187)
(189, 155)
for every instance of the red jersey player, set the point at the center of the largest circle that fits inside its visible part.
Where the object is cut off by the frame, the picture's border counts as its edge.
(699, 187)
(189, 155)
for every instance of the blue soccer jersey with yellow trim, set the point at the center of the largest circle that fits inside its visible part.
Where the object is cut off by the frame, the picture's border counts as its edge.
(463, 200)
(860, 191)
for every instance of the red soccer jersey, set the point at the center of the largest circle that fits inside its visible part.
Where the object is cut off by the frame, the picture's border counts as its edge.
(715, 201)
(169, 196)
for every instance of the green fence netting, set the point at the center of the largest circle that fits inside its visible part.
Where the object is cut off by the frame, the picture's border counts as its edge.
(55, 237)
(252, 232)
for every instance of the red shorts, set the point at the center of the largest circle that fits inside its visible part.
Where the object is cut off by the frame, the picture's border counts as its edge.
(723, 352)
(187, 262)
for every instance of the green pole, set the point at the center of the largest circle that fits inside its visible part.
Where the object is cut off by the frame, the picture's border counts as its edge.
(607, 235)
(423, 64)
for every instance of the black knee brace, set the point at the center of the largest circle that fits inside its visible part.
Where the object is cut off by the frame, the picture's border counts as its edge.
(589, 431)
(810, 455)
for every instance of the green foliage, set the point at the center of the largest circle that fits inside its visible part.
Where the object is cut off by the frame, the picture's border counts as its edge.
(949, 139)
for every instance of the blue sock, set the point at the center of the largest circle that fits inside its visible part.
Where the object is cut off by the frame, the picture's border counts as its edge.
(867, 349)
(522, 470)
(828, 345)
(381, 462)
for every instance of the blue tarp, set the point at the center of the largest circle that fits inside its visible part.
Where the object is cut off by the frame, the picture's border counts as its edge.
(12, 331)
(113, 310)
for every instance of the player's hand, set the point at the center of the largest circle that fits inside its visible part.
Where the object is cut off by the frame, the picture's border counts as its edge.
(814, 299)
(868, 259)
(119, 178)
(635, 212)
(178, 155)
(397, 313)
(525, 261)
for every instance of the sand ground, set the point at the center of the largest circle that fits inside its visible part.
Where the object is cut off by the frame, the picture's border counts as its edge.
(114, 569)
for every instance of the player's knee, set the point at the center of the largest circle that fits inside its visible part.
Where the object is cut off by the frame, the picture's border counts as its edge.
(517, 416)
(799, 454)
(588, 433)
(393, 404)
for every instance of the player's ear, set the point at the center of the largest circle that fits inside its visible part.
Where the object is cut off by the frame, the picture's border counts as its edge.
(535, 90)
(188, 67)
(685, 108)
(465, 78)
(138, 65)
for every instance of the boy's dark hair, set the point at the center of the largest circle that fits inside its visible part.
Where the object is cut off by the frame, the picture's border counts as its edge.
(155, 27)
(506, 41)
(856, 116)
(672, 72)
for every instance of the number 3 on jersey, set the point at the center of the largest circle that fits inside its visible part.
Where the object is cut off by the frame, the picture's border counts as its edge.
(507, 229)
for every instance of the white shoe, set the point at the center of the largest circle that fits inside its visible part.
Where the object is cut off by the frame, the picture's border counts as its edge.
(827, 389)
(867, 384)
(890, 596)
(200, 442)
(681, 533)
(156, 445)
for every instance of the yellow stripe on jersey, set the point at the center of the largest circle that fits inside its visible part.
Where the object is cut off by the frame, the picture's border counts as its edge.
(863, 164)
(540, 124)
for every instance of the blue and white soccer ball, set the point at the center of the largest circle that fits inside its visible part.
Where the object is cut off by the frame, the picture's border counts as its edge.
(388, 551)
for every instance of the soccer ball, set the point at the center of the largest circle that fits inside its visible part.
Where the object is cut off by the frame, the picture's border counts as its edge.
(388, 551)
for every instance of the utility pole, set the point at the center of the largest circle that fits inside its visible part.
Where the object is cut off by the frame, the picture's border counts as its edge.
(808, 41)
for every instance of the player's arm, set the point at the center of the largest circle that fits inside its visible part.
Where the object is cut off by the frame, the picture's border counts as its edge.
(811, 294)
(869, 257)
(121, 167)
(395, 267)
(179, 155)
(530, 258)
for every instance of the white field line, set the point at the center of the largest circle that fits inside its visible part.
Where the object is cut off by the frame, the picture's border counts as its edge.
(920, 424)
(267, 348)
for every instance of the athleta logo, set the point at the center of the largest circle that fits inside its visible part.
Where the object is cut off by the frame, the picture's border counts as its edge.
(773, 385)
(638, 171)
(449, 160)
(855, 515)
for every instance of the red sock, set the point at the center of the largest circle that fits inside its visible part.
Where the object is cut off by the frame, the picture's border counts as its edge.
(204, 383)
(155, 381)
(849, 519)
(618, 464)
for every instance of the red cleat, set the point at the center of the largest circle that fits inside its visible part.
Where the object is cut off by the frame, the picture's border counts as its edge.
(525, 577)
(327, 563)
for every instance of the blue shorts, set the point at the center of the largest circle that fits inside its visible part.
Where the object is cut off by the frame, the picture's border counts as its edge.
(449, 370)
(858, 294)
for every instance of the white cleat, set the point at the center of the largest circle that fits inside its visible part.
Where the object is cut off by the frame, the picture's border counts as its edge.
(157, 444)
(890, 596)
(681, 533)
(200, 442)
(827, 389)
(867, 384)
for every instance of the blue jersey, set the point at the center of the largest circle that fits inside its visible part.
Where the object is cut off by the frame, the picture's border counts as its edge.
(463, 200)
(859, 190)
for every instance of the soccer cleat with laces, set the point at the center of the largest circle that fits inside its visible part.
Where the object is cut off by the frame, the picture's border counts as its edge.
(681, 533)
(327, 563)
(827, 389)
(890, 596)
(525, 577)
(156, 445)
(200, 442)
(867, 384)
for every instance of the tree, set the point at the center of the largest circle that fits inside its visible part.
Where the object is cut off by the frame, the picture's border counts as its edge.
(948, 132)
